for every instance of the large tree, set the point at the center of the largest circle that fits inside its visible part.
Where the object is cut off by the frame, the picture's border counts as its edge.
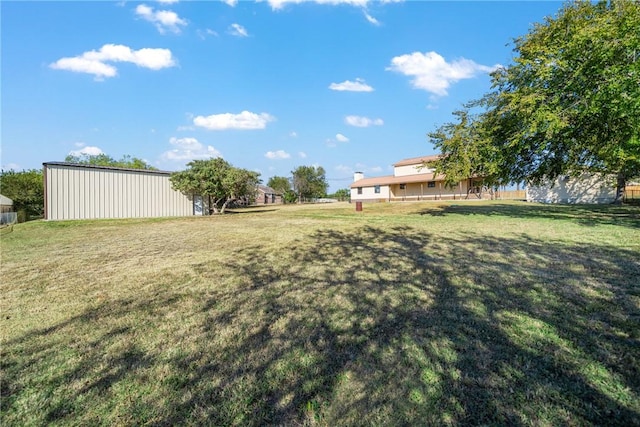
(309, 182)
(569, 102)
(105, 160)
(281, 184)
(217, 180)
(26, 189)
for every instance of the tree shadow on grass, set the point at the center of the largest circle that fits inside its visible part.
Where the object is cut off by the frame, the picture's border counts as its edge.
(587, 215)
(374, 326)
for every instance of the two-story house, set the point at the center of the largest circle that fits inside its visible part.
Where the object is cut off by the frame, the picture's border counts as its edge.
(411, 180)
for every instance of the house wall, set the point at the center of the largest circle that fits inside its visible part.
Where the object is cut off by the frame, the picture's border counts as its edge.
(410, 170)
(368, 193)
(263, 198)
(587, 188)
(79, 192)
(422, 189)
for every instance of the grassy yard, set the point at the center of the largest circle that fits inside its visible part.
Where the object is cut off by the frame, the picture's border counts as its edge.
(404, 314)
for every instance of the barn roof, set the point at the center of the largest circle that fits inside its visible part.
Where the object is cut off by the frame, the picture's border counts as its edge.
(84, 166)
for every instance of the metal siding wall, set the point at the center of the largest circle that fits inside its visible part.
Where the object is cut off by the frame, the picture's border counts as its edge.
(88, 193)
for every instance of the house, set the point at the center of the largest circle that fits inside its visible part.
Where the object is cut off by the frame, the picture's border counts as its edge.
(74, 191)
(411, 180)
(585, 188)
(267, 196)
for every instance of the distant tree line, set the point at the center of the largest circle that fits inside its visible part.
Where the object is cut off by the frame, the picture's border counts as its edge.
(26, 189)
(105, 160)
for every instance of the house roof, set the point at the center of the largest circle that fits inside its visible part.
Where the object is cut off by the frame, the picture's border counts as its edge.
(417, 160)
(266, 189)
(84, 166)
(390, 179)
(5, 201)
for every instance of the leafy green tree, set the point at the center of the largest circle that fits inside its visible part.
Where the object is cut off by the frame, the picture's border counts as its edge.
(342, 194)
(282, 185)
(469, 151)
(279, 183)
(105, 160)
(569, 102)
(309, 182)
(26, 189)
(217, 180)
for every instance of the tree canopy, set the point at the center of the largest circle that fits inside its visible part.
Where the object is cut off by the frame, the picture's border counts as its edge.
(309, 182)
(26, 189)
(105, 160)
(217, 180)
(569, 102)
(281, 184)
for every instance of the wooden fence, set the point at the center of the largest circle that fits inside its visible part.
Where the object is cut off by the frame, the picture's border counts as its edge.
(632, 192)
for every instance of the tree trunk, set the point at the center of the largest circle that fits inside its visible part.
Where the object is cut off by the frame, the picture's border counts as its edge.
(224, 205)
(621, 183)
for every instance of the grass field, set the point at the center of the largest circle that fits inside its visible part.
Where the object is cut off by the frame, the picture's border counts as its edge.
(403, 314)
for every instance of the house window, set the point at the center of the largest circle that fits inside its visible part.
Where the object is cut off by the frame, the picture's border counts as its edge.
(359, 190)
(403, 186)
(431, 184)
(376, 189)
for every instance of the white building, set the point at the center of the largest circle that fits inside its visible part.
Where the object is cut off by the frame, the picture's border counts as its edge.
(586, 188)
(73, 191)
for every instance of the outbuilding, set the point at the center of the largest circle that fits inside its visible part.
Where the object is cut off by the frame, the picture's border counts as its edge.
(581, 189)
(74, 191)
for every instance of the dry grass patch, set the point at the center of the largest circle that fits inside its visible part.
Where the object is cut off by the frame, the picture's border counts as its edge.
(417, 313)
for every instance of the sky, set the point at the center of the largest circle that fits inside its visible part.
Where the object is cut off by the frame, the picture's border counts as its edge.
(351, 85)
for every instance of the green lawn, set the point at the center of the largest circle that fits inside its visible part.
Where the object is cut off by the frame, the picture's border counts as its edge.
(489, 313)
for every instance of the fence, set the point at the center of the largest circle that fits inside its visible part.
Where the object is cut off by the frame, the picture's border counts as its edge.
(7, 218)
(632, 193)
(511, 195)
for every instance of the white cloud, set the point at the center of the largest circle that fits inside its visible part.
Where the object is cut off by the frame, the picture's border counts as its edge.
(293, 134)
(231, 3)
(163, 19)
(168, 1)
(237, 30)
(331, 143)
(11, 167)
(86, 151)
(431, 72)
(279, 4)
(277, 155)
(362, 122)
(370, 18)
(340, 137)
(302, 154)
(246, 120)
(187, 149)
(206, 32)
(358, 86)
(95, 62)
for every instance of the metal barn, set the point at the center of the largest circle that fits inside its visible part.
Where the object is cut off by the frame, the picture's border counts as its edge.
(73, 191)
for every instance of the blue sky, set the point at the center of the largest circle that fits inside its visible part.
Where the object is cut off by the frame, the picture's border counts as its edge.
(269, 86)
